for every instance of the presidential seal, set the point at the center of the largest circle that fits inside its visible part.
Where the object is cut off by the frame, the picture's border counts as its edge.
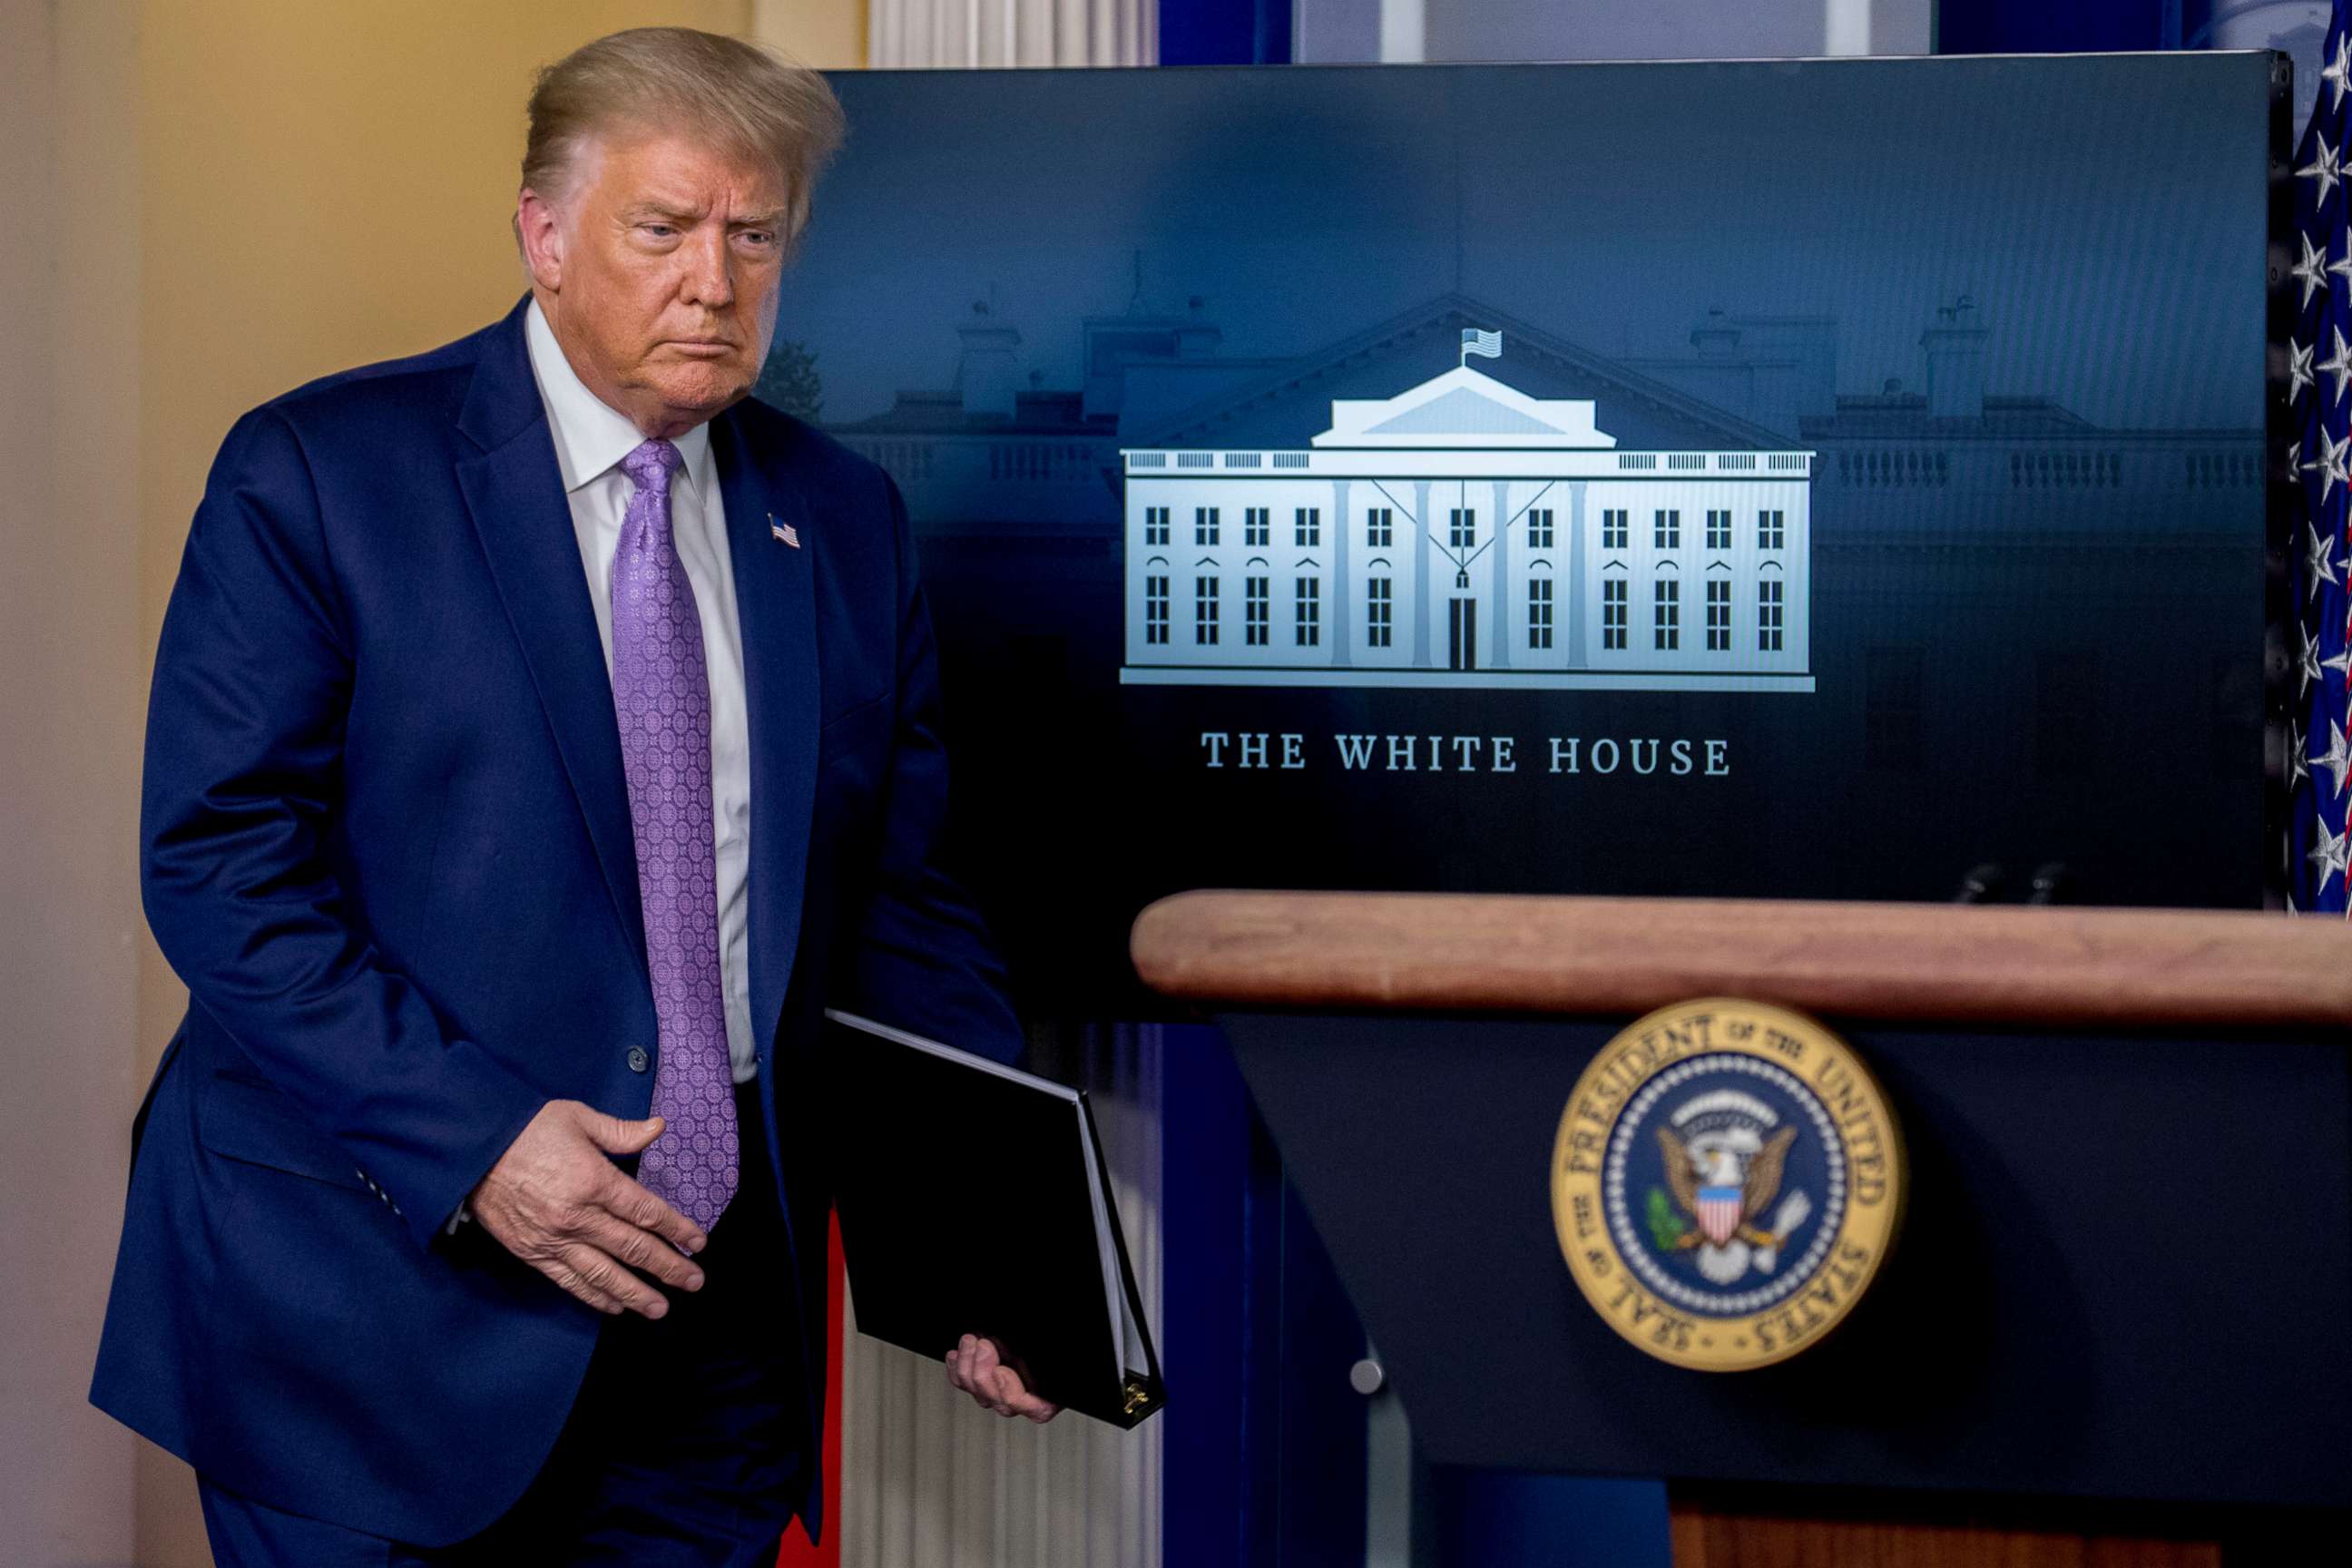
(1727, 1181)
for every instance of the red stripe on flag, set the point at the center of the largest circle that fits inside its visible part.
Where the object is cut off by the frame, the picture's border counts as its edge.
(798, 1553)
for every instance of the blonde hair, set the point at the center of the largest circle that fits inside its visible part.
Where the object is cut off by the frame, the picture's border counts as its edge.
(753, 102)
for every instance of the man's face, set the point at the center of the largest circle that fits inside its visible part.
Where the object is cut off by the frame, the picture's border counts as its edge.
(659, 272)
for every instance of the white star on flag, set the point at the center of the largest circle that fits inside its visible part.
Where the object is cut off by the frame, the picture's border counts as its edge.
(2324, 168)
(2332, 460)
(2307, 666)
(2327, 852)
(2340, 366)
(2338, 71)
(2338, 758)
(2298, 765)
(2321, 556)
(2312, 271)
(2298, 369)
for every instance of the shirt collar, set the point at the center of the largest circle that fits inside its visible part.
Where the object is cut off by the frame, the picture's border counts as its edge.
(591, 436)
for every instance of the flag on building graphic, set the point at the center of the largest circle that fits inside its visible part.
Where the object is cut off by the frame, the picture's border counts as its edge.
(1475, 341)
(2319, 394)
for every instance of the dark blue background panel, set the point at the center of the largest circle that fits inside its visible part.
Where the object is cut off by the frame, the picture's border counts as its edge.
(2122, 1273)
(1265, 1454)
(2004, 320)
(1224, 32)
(2039, 27)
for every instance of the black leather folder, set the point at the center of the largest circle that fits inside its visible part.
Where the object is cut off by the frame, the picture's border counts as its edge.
(974, 1199)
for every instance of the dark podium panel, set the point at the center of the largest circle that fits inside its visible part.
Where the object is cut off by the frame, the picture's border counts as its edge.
(2120, 1300)
(2125, 1272)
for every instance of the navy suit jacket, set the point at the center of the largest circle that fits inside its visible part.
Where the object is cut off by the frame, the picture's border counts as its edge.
(386, 843)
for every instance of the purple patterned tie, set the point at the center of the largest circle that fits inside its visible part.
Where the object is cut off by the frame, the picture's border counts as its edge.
(662, 697)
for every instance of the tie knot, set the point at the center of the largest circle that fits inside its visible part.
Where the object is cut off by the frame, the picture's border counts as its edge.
(651, 463)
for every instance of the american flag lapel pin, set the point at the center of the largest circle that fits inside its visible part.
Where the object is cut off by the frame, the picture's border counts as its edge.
(784, 531)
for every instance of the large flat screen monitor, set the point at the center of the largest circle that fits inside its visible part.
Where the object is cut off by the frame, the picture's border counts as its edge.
(1778, 479)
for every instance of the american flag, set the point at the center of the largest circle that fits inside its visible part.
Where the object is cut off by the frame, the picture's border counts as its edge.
(2319, 374)
(1477, 342)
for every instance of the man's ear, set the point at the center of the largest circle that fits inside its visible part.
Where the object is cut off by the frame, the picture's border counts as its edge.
(541, 230)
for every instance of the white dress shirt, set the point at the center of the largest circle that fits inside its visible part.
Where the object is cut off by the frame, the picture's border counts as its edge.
(591, 440)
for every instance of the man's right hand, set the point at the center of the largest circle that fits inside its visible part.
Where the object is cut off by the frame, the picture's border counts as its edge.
(556, 1200)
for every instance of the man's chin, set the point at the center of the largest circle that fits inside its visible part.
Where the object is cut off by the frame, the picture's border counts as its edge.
(695, 398)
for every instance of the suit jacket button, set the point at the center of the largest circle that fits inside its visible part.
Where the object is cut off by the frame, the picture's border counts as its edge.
(638, 1060)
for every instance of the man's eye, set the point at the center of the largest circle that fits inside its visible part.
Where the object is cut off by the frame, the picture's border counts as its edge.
(760, 236)
(658, 230)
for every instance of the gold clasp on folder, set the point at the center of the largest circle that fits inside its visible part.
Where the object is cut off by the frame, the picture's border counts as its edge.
(1138, 1396)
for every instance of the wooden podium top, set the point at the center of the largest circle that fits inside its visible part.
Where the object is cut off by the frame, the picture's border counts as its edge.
(1980, 964)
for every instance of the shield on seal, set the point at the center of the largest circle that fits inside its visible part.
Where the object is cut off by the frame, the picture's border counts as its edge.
(1719, 1213)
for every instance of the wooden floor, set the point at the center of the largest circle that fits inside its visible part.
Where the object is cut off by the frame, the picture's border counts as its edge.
(1704, 1539)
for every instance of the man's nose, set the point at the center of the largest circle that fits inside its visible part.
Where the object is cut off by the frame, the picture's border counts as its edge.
(709, 279)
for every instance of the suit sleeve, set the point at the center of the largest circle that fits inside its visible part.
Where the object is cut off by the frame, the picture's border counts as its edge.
(242, 782)
(920, 955)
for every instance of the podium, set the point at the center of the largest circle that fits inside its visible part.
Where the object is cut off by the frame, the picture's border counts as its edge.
(2119, 1314)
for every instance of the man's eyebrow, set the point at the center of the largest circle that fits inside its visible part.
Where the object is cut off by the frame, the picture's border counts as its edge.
(674, 212)
(684, 213)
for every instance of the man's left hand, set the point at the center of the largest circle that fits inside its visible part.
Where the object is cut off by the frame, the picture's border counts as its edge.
(974, 1367)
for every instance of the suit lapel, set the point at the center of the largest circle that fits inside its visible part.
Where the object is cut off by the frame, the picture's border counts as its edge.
(775, 600)
(515, 492)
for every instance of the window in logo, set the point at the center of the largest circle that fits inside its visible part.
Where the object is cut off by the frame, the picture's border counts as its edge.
(1718, 614)
(1539, 612)
(1613, 612)
(1718, 530)
(1666, 617)
(1256, 524)
(1205, 525)
(1155, 525)
(1462, 528)
(1155, 609)
(1254, 611)
(1205, 611)
(1379, 605)
(1307, 612)
(1614, 527)
(1311, 527)
(1540, 532)
(1768, 615)
(1380, 527)
(1669, 530)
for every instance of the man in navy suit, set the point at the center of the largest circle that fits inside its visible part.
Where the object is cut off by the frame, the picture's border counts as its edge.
(541, 735)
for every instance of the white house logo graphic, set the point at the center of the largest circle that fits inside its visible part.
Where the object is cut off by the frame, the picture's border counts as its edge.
(1463, 533)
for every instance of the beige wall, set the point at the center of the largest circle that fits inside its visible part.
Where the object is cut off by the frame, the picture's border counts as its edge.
(69, 710)
(212, 201)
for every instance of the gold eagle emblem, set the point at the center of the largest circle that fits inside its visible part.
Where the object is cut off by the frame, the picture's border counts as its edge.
(1759, 1185)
